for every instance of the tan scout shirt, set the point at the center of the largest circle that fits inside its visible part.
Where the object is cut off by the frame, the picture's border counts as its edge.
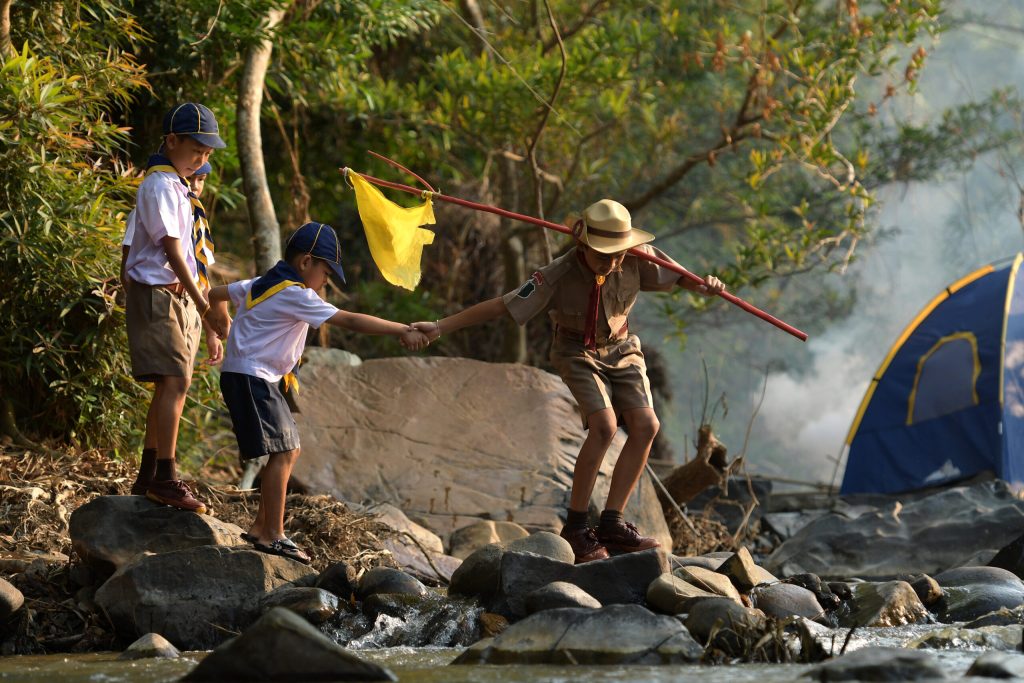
(562, 288)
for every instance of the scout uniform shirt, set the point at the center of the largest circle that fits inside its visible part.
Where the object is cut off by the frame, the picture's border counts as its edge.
(611, 373)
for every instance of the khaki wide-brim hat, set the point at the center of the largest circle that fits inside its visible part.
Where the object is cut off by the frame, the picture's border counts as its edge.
(607, 228)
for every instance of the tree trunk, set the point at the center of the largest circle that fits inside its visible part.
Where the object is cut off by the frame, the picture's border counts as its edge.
(513, 252)
(6, 46)
(266, 231)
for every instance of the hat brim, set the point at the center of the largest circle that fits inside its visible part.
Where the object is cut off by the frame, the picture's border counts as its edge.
(611, 245)
(337, 274)
(208, 139)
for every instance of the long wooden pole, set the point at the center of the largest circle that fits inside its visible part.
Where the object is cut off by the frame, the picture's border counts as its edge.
(731, 298)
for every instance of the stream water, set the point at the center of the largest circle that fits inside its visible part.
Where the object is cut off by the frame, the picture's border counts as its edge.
(430, 665)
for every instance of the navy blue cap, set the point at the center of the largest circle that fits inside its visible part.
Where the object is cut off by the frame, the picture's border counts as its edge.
(196, 121)
(319, 240)
(205, 169)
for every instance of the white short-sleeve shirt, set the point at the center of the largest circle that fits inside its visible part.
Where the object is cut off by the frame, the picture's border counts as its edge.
(267, 340)
(129, 229)
(162, 209)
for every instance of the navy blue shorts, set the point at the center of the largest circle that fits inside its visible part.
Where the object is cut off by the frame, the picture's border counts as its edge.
(260, 417)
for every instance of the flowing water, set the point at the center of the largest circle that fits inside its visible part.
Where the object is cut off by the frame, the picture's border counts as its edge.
(430, 665)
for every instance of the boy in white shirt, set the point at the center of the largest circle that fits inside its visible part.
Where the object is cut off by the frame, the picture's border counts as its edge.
(200, 231)
(273, 314)
(164, 305)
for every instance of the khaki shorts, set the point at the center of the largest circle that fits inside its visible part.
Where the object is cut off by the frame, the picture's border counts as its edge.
(613, 376)
(163, 332)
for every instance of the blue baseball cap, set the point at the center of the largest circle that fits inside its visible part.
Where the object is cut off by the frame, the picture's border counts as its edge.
(319, 240)
(196, 121)
(205, 169)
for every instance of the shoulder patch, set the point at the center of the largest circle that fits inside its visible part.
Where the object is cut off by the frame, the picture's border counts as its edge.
(531, 285)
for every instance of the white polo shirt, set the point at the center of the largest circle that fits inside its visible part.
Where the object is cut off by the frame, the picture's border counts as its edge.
(162, 209)
(266, 340)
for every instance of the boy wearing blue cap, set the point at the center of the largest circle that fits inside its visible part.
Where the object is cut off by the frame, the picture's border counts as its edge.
(165, 306)
(202, 244)
(273, 314)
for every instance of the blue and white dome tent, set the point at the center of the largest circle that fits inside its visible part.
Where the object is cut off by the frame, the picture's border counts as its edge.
(948, 400)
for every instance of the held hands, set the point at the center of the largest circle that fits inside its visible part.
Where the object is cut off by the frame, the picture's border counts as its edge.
(712, 286)
(216, 319)
(430, 329)
(214, 348)
(413, 340)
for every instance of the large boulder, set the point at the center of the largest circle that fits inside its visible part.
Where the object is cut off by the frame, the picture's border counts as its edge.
(923, 535)
(281, 646)
(491, 441)
(109, 532)
(193, 597)
(971, 592)
(891, 603)
(619, 634)
(415, 548)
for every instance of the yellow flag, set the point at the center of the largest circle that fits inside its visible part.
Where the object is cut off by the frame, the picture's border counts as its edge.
(393, 232)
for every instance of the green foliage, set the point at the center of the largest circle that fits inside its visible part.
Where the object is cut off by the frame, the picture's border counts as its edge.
(63, 199)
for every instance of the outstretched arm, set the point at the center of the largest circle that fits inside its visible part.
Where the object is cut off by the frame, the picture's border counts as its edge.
(474, 315)
(367, 324)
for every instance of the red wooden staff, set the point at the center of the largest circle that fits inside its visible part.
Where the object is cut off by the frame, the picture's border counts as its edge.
(802, 336)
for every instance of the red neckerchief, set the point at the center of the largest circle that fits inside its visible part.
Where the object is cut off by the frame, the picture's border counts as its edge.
(593, 304)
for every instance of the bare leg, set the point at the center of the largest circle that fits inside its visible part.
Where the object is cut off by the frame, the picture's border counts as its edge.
(269, 523)
(168, 402)
(149, 441)
(642, 425)
(601, 430)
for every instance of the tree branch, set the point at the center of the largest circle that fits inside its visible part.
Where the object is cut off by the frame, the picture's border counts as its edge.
(575, 28)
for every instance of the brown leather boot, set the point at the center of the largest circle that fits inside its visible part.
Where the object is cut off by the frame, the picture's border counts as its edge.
(623, 537)
(584, 544)
(175, 493)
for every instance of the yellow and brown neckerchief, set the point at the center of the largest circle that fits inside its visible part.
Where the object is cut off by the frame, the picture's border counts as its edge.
(202, 241)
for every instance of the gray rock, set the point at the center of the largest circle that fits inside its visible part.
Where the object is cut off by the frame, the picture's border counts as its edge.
(618, 634)
(722, 624)
(669, 594)
(545, 544)
(11, 600)
(315, 605)
(997, 665)
(414, 548)
(110, 532)
(259, 655)
(466, 540)
(1001, 617)
(151, 645)
(1011, 557)
(783, 600)
(479, 574)
(708, 580)
(880, 664)
(353, 449)
(341, 579)
(617, 580)
(971, 592)
(194, 597)
(388, 580)
(928, 589)
(705, 561)
(891, 603)
(556, 595)
(925, 535)
(984, 637)
(743, 572)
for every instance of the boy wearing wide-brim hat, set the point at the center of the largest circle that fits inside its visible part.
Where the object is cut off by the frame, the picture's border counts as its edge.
(165, 306)
(588, 294)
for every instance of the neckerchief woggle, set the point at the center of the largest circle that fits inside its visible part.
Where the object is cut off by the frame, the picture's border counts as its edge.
(593, 304)
(202, 241)
(278, 278)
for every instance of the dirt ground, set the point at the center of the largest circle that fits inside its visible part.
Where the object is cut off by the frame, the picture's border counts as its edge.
(40, 490)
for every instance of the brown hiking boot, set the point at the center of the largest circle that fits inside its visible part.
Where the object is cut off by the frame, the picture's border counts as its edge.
(175, 493)
(139, 488)
(584, 544)
(624, 538)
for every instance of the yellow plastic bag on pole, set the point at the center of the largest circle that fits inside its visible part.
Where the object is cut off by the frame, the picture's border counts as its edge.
(394, 233)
